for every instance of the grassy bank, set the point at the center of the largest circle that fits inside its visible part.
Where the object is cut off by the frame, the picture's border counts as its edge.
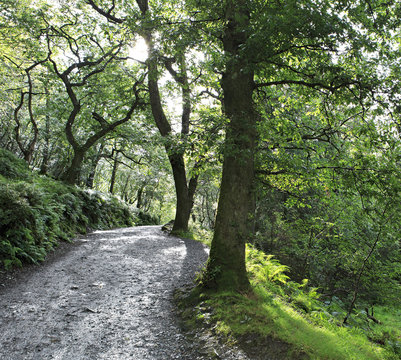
(287, 320)
(36, 212)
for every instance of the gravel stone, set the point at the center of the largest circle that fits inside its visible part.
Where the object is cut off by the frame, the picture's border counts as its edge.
(109, 295)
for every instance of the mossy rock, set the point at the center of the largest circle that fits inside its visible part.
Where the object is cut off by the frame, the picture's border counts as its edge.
(168, 227)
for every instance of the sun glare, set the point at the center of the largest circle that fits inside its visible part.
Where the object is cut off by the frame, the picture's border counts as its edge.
(139, 51)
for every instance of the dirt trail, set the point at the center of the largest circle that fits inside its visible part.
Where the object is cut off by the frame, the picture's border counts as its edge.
(108, 296)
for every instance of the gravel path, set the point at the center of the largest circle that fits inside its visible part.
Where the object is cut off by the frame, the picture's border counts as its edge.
(107, 296)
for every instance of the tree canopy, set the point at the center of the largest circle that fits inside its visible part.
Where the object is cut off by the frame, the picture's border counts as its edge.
(293, 104)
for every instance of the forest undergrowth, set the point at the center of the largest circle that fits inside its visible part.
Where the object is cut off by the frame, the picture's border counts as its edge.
(278, 310)
(37, 212)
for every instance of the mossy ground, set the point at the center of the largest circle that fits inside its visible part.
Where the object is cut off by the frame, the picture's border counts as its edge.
(280, 319)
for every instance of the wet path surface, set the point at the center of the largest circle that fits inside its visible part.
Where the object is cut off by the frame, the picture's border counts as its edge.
(109, 296)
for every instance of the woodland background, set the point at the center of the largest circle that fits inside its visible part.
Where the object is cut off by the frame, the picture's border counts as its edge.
(139, 100)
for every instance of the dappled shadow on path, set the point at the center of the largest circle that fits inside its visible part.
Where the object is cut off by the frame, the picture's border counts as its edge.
(108, 297)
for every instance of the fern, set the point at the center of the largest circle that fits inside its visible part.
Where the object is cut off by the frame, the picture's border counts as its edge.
(265, 267)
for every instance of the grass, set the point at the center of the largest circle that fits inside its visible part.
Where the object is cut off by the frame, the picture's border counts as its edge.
(390, 318)
(273, 317)
(281, 310)
(388, 332)
(195, 232)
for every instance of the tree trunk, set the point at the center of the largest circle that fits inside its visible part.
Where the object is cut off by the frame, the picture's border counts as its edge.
(46, 156)
(226, 268)
(113, 174)
(183, 193)
(93, 166)
(139, 197)
(71, 175)
(124, 189)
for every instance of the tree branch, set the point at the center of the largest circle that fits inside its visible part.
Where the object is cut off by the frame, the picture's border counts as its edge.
(313, 85)
(106, 13)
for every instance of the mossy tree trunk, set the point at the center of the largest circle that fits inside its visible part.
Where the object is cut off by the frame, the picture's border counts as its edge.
(226, 268)
(71, 175)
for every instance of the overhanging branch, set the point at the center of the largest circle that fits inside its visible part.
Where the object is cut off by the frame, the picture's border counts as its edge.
(106, 13)
(313, 85)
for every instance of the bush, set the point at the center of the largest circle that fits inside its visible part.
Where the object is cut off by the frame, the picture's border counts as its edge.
(23, 224)
(12, 167)
(36, 212)
(147, 219)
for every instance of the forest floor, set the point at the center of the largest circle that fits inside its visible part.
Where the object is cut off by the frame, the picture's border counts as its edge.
(108, 295)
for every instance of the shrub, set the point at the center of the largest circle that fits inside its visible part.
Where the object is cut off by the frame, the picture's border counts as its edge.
(147, 219)
(22, 224)
(12, 167)
(36, 212)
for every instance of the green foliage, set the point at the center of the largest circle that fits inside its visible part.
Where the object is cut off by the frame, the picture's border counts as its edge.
(292, 313)
(12, 167)
(200, 234)
(388, 331)
(328, 241)
(36, 212)
(144, 218)
(265, 267)
(326, 101)
(23, 223)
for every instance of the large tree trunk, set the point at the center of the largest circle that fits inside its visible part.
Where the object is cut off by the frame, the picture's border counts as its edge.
(226, 266)
(71, 175)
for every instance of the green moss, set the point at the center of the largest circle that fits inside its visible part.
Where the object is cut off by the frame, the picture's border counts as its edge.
(278, 309)
(269, 316)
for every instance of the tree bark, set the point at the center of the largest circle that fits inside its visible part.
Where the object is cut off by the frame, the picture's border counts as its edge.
(71, 175)
(94, 163)
(139, 197)
(226, 268)
(113, 174)
(46, 153)
(184, 191)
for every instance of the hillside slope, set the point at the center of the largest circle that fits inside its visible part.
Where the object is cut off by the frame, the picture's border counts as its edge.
(36, 212)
